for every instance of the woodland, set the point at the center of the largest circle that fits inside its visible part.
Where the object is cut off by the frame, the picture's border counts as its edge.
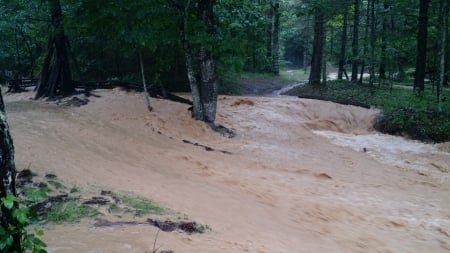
(204, 47)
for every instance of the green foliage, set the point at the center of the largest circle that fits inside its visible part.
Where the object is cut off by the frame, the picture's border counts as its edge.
(70, 211)
(137, 205)
(403, 112)
(17, 228)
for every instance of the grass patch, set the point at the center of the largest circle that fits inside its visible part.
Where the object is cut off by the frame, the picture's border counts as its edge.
(403, 111)
(70, 211)
(138, 206)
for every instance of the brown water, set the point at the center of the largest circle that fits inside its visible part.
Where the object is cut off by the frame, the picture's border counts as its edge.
(304, 175)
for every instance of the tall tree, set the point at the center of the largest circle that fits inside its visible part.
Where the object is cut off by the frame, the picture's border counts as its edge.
(318, 47)
(208, 81)
(443, 44)
(276, 38)
(7, 176)
(56, 78)
(421, 53)
(342, 53)
(355, 40)
(384, 27)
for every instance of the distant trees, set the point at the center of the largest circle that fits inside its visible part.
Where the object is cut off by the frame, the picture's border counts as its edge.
(376, 36)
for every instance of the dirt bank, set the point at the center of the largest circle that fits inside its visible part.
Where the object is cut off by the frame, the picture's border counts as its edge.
(303, 176)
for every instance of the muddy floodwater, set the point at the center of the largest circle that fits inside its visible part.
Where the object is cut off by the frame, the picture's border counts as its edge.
(300, 176)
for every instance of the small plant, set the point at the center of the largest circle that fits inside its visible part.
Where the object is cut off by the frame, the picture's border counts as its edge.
(22, 217)
(70, 211)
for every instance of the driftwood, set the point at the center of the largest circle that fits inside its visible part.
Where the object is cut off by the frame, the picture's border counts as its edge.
(166, 225)
(46, 205)
(334, 100)
(207, 148)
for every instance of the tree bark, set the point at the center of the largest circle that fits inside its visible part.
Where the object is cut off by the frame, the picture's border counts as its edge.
(443, 17)
(355, 40)
(56, 79)
(366, 42)
(276, 38)
(372, 42)
(208, 84)
(384, 27)
(144, 84)
(421, 56)
(343, 45)
(7, 174)
(316, 61)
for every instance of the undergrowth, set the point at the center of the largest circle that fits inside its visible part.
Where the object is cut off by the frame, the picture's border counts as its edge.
(403, 111)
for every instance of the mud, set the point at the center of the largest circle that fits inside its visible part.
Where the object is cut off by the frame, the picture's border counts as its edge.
(298, 180)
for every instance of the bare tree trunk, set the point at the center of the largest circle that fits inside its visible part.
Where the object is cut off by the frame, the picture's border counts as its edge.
(269, 33)
(56, 79)
(208, 84)
(8, 175)
(443, 17)
(182, 12)
(147, 97)
(383, 59)
(316, 61)
(421, 57)
(276, 38)
(366, 42)
(372, 42)
(343, 45)
(355, 46)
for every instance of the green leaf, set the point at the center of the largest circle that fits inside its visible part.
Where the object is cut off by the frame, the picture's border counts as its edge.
(39, 232)
(8, 201)
(21, 215)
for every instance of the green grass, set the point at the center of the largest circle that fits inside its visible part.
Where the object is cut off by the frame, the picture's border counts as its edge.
(70, 211)
(294, 75)
(133, 204)
(404, 112)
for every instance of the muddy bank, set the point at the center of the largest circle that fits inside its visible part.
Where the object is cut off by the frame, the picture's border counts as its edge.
(297, 179)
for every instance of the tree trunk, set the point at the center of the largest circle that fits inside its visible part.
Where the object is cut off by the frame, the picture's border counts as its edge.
(269, 33)
(324, 60)
(316, 61)
(197, 110)
(384, 27)
(443, 17)
(144, 84)
(208, 82)
(372, 42)
(56, 79)
(421, 57)
(7, 174)
(355, 46)
(276, 38)
(343, 45)
(366, 42)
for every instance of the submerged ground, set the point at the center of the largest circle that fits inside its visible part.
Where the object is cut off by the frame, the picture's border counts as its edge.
(302, 176)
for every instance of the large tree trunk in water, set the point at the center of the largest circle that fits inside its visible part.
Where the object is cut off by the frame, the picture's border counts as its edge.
(355, 47)
(316, 61)
(56, 79)
(208, 82)
(443, 17)
(276, 38)
(343, 45)
(7, 174)
(421, 57)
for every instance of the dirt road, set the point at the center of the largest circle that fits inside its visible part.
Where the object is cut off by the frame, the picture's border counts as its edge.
(303, 176)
